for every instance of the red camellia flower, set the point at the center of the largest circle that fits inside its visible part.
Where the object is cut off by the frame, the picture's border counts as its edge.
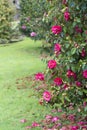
(56, 29)
(52, 64)
(65, 86)
(47, 96)
(67, 16)
(58, 81)
(85, 74)
(78, 30)
(83, 53)
(39, 76)
(70, 74)
(78, 83)
(57, 48)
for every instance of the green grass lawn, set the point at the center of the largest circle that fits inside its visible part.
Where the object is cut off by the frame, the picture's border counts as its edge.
(18, 60)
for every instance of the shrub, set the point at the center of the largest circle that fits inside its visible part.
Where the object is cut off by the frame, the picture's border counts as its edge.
(63, 26)
(67, 81)
(5, 19)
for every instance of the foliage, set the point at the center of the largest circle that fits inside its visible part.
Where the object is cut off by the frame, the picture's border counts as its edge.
(64, 27)
(32, 12)
(66, 75)
(5, 19)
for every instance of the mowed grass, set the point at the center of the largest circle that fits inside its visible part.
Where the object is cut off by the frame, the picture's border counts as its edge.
(18, 60)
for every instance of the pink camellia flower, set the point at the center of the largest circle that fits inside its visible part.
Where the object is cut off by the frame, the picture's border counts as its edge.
(56, 29)
(47, 96)
(85, 74)
(74, 127)
(78, 30)
(67, 16)
(52, 64)
(55, 119)
(35, 124)
(23, 27)
(70, 74)
(39, 76)
(23, 120)
(33, 34)
(58, 81)
(57, 48)
(78, 83)
(83, 53)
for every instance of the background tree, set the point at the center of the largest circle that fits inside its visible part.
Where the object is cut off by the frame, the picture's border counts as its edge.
(5, 19)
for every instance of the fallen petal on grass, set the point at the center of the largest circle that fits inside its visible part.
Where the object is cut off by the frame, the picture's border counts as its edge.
(23, 120)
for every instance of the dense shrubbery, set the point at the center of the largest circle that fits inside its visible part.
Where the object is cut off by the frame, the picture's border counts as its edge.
(66, 73)
(5, 20)
(64, 27)
(32, 13)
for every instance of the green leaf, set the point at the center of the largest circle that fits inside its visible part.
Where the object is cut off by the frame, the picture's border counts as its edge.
(73, 51)
(66, 98)
(85, 109)
(85, 91)
(80, 93)
(67, 46)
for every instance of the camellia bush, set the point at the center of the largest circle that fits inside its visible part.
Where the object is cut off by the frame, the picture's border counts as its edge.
(5, 20)
(64, 83)
(63, 26)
